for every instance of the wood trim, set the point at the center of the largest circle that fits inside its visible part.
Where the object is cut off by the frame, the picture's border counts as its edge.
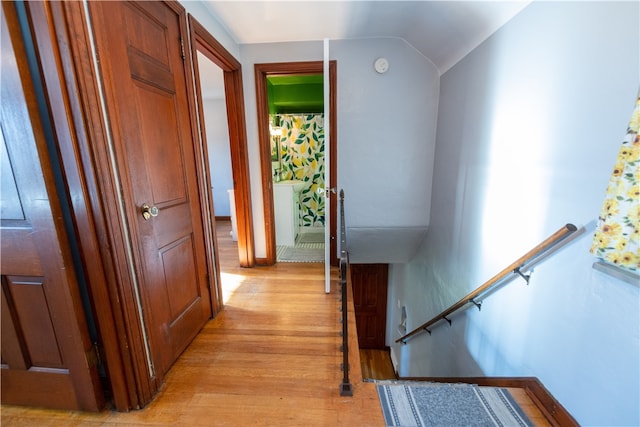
(62, 37)
(73, 380)
(333, 152)
(261, 71)
(201, 39)
(40, 390)
(202, 166)
(113, 295)
(195, 105)
(555, 413)
(355, 364)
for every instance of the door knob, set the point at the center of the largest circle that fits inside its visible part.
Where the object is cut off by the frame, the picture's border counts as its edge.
(148, 211)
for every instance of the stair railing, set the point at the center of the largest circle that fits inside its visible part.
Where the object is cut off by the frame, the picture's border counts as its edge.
(346, 389)
(532, 257)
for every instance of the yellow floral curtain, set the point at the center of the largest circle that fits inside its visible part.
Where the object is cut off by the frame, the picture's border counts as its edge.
(617, 235)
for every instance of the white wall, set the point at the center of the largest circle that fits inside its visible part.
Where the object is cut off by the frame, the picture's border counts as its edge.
(529, 126)
(386, 141)
(215, 117)
(386, 136)
(202, 14)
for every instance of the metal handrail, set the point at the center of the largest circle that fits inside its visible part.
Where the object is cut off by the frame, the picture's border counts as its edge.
(528, 259)
(346, 389)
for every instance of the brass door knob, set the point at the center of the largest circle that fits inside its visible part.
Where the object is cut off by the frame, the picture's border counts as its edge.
(149, 211)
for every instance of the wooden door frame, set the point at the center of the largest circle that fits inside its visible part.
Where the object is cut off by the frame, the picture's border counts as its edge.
(64, 54)
(72, 85)
(261, 72)
(379, 281)
(202, 40)
(61, 278)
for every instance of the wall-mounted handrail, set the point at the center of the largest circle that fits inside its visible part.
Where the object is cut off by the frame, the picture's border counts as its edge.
(346, 389)
(515, 268)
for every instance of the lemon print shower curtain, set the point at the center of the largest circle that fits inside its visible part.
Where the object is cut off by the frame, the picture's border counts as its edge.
(302, 151)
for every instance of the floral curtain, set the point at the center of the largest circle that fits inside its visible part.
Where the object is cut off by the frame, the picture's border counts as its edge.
(617, 235)
(302, 151)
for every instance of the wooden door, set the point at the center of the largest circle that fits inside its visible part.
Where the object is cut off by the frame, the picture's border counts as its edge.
(141, 54)
(47, 357)
(369, 282)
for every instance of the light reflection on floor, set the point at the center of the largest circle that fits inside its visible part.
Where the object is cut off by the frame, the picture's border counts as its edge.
(230, 283)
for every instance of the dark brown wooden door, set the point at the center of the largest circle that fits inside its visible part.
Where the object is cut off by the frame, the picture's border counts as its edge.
(369, 282)
(46, 351)
(142, 66)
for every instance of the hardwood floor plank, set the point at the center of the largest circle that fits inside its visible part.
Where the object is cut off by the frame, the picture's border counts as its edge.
(376, 365)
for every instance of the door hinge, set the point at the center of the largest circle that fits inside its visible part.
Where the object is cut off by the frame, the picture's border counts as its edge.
(326, 191)
(93, 356)
(182, 48)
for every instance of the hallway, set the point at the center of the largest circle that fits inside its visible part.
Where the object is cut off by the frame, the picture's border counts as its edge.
(270, 358)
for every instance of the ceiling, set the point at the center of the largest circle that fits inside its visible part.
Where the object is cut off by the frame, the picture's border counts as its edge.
(443, 31)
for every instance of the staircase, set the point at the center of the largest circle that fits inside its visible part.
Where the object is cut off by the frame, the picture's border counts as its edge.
(532, 398)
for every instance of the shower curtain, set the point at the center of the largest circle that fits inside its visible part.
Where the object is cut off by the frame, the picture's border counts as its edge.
(302, 151)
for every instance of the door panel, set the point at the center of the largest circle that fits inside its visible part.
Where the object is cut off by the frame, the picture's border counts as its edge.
(369, 282)
(146, 96)
(30, 311)
(45, 344)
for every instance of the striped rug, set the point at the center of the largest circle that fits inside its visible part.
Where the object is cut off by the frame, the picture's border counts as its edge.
(431, 404)
(302, 252)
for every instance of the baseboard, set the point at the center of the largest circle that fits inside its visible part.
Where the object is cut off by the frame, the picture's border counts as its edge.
(223, 218)
(555, 413)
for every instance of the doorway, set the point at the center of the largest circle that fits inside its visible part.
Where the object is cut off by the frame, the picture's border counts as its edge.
(219, 92)
(297, 137)
(291, 150)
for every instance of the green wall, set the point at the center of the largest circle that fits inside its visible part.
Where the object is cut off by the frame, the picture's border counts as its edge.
(295, 94)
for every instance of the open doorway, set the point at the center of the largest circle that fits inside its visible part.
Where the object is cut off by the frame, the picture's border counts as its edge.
(297, 137)
(218, 81)
(291, 131)
(216, 129)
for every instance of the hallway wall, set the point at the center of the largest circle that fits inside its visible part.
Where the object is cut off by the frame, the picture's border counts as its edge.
(529, 126)
(215, 117)
(386, 136)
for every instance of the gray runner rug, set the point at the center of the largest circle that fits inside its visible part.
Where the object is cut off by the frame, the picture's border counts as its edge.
(433, 404)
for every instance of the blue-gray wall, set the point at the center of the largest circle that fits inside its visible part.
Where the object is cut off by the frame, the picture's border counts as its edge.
(386, 139)
(529, 126)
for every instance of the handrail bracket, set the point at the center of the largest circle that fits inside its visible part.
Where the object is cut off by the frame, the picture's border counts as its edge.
(526, 277)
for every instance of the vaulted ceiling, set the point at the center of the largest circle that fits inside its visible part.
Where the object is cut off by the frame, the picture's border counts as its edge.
(443, 31)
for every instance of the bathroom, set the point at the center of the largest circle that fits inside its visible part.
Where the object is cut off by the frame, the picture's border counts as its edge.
(296, 127)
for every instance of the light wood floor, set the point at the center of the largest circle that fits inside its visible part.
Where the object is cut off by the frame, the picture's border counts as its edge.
(376, 365)
(271, 358)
